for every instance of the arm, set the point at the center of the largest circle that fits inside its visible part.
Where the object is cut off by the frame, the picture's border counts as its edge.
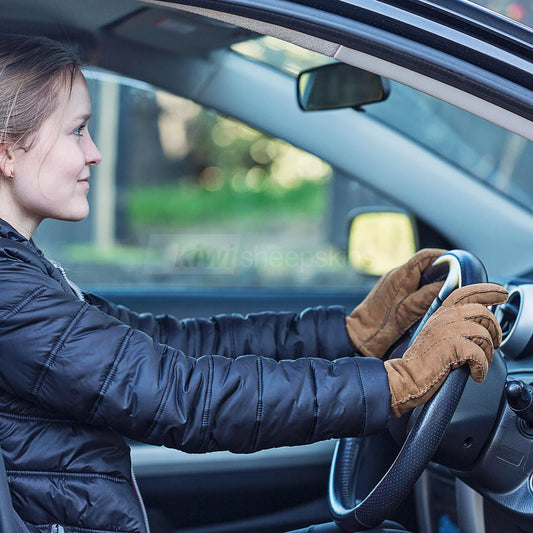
(317, 332)
(71, 358)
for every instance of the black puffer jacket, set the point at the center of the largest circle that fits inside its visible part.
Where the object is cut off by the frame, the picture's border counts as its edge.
(76, 376)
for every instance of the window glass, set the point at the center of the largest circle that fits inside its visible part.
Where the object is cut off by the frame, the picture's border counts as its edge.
(187, 197)
(281, 55)
(497, 157)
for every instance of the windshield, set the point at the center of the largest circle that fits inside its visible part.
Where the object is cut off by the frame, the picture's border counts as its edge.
(499, 158)
(281, 55)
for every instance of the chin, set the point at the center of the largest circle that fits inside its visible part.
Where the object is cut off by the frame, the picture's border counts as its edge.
(74, 215)
(80, 216)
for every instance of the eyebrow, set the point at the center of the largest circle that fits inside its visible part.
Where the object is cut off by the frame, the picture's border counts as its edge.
(85, 117)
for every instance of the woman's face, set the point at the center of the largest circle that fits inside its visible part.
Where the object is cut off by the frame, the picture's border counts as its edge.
(51, 180)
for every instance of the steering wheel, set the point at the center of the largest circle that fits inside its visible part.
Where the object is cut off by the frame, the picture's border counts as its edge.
(422, 441)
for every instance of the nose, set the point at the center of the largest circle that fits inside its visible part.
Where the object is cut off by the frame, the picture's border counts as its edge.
(92, 154)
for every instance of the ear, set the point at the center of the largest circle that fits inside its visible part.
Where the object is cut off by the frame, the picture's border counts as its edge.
(7, 161)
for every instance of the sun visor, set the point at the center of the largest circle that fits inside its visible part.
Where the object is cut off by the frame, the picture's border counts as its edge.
(179, 33)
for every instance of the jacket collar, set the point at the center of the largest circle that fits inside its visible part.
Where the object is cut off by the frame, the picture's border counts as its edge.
(7, 231)
(16, 245)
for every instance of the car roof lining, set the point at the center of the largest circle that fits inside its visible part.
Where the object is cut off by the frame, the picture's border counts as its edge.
(182, 34)
(265, 28)
(59, 17)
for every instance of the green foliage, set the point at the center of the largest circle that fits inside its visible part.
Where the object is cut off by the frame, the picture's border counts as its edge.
(115, 255)
(183, 204)
(225, 171)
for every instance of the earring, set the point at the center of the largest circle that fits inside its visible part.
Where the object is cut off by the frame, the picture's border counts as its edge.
(12, 175)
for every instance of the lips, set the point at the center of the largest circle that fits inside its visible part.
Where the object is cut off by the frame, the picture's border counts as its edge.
(84, 181)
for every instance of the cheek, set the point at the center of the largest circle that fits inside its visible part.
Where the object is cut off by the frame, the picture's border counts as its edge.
(72, 160)
(63, 166)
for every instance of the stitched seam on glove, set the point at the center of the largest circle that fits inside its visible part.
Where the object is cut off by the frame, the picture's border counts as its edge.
(466, 319)
(400, 286)
(487, 323)
(479, 291)
(421, 393)
(429, 348)
(450, 366)
(488, 339)
(400, 303)
(400, 330)
(470, 317)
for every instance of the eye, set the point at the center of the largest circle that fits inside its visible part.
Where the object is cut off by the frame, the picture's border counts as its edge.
(79, 131)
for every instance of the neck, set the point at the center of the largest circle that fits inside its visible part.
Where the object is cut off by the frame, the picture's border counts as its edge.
(24, 229)
(23, 224)
(14, 214)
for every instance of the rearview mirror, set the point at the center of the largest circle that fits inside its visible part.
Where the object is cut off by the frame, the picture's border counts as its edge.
(379, 239)
(338, 85)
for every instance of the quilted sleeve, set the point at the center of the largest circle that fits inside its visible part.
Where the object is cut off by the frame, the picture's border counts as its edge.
(71, 358)
(314, 332)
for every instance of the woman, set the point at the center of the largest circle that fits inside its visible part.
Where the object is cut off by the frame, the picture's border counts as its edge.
(78, 373)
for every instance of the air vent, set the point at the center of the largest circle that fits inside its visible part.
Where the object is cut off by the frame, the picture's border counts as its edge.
(516, 320)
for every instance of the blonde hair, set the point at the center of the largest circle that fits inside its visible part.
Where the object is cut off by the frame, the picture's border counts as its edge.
(34, 73)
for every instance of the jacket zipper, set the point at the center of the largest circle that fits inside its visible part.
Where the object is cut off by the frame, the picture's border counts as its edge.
(56, 528)
(72, 285)
(140, 499)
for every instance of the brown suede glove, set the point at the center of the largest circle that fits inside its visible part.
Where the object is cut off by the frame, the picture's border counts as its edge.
(393, 305)
(461, 331)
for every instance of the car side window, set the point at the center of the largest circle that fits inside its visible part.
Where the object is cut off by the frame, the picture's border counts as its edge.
(187, 197)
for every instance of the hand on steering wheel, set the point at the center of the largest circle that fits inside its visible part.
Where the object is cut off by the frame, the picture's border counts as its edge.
(395, 303)
(462, 331)
(428, 430)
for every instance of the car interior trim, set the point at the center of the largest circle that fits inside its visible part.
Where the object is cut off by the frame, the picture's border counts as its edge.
(467, 18)
(462, 99)
(502, 473)
(469, 508)
(463, 13)
(518, 338)
(315, 44)
(423, 503)
(155, 461)
(461, 67)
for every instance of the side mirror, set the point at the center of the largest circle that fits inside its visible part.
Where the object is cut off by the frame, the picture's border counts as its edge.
(338, 85)
(380, 239)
